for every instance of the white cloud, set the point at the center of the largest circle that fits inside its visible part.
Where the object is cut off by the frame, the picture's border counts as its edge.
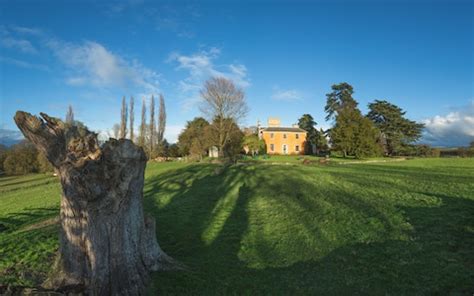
(286, 94)
(23, 64)
(27, 31)
(172, 132)
(93, 64)
(454, 129)
(200, 67)
(23, 45)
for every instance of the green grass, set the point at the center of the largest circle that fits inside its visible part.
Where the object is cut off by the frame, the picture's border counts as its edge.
(375, 228)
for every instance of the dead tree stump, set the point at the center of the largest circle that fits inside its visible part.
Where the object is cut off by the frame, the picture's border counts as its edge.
(107, 246)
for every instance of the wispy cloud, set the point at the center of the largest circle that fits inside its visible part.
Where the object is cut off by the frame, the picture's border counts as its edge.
(289, 95)
(23, 64)
(11, 38)
(201, 66)
(179, 18)
(23, 45)
(27, 30)
(90, 63)
(453, 129)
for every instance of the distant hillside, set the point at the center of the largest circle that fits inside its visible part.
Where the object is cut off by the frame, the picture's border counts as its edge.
(10, 137)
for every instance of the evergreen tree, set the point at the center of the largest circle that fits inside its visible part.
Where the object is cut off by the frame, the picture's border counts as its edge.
(353, 134)
(192, 140)
(338, 99)
(396, 130)
(307, 123)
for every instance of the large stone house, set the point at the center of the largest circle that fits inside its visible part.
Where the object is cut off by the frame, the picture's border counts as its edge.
(282, 140)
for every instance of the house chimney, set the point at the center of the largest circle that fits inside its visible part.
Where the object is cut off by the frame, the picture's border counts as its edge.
(273, 122)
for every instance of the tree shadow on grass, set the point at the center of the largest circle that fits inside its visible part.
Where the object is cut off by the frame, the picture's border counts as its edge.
(16, 221)
(26, 252)
(232, 229)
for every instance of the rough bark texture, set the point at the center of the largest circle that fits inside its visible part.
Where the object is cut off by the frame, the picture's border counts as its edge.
(107, 245)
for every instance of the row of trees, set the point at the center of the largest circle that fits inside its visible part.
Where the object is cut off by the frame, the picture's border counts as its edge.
(151, 133)
(384, 130)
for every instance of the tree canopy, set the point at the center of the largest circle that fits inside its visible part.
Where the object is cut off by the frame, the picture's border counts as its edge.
(192, 140)
(339, 98)
(224, 104)
(395, 128)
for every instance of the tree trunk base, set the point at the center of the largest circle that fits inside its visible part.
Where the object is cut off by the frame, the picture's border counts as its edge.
(107, 246)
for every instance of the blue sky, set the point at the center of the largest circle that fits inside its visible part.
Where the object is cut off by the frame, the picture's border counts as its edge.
(285, 55)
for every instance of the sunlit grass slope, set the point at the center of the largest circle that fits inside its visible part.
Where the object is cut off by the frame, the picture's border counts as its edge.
(378, 228)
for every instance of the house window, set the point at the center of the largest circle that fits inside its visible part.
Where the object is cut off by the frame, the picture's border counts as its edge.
(271, 135)
(297, 136)
(272, 147)
(284, 136)
(297, 148)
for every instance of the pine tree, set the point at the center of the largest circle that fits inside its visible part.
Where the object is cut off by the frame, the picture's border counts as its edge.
(338, 99)
(307, 123)
(396, 130)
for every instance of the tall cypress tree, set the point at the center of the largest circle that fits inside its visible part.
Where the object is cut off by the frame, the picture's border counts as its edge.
(161, 121)
(132, 118)
(152, 126)
(70, 115)
(142, 135)
(123, 119)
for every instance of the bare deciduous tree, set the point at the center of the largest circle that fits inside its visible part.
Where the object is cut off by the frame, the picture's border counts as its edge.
(161, 121)
(107, 245)
(70, 115)
(123, 119)
(142, 135)
(132, 117)
(223, 103)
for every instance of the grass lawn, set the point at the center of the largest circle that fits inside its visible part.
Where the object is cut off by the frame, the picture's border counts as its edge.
(376, 228)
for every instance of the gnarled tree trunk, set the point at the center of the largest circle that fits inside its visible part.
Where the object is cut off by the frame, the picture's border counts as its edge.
(107, 245)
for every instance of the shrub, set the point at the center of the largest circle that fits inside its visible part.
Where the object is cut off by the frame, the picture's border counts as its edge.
(44, 166)
(22, 159)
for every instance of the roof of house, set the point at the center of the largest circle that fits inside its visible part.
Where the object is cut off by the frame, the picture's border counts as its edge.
(284, 129)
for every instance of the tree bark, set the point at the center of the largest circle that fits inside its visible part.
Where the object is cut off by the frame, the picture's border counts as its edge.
(107, 245)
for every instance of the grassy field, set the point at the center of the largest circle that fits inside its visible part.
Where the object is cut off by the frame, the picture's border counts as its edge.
(402, 227)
